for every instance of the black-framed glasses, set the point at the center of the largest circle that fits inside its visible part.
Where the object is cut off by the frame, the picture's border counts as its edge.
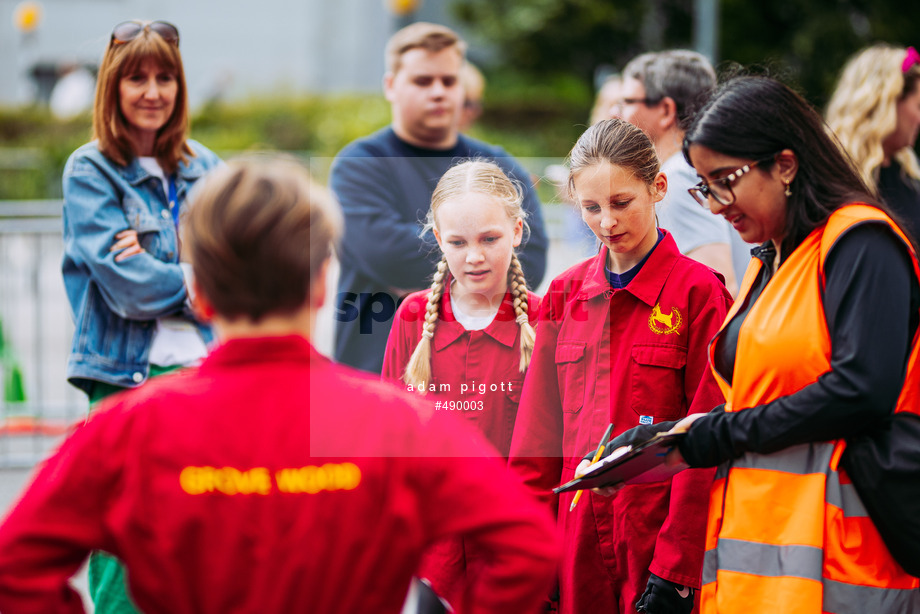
(127, 31)
(720, 189)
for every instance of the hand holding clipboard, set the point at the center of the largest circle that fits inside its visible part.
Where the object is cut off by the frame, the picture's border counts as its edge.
(640, 463)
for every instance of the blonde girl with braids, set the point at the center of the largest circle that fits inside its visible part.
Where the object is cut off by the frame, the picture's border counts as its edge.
(466, 341)
(478, 291)
(875, 114)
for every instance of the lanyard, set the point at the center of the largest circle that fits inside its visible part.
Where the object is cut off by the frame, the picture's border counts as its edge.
(173, 201)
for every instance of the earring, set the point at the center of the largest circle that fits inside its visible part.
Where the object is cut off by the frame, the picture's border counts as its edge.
(788, 189)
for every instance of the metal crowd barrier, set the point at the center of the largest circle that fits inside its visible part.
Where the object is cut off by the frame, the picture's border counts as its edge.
(37, 328)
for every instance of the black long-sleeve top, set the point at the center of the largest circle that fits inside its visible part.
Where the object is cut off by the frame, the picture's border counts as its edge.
(871, 303)
(902, 193)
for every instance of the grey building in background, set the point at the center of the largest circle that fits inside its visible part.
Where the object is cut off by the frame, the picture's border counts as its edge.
(231, 48)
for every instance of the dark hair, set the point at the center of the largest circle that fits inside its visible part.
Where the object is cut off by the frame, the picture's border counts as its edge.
(755, 117)
(618, 142)
(257, 233)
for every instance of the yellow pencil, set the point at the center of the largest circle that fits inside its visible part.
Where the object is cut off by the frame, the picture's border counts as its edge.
(597, 456)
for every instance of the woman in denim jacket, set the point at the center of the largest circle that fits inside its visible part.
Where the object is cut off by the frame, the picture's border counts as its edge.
(122, 196)
(123, 193)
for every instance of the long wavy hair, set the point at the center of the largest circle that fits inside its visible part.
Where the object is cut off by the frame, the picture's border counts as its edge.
(863, 108)
(112, 130)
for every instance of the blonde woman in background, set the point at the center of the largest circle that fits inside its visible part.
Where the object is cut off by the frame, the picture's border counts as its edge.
(474, 87)
(608, 95)
(875, 113)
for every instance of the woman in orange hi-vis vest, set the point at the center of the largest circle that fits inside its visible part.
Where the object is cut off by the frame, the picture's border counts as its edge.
(821, 345)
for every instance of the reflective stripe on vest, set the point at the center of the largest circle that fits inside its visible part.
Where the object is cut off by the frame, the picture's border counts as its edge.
(787, 532)
(841, 598)
(763, 559)
(837, 597)
(808, 459)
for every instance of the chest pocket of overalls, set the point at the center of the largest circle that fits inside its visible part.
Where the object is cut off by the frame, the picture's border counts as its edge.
(657, 376)
(512, 399)
(570, 371)
(150, 229)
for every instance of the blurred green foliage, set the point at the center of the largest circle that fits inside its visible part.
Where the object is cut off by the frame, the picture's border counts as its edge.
(321, 125)
(548, 37)
(539, 81)
(35, 147)
(802, 42)
(529, 119)
(533, 118)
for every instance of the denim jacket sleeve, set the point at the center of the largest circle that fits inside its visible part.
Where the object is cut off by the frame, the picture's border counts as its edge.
(98, 204)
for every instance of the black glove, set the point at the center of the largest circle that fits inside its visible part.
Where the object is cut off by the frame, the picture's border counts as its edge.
(664, 597)
(635, 435)
(427, 601)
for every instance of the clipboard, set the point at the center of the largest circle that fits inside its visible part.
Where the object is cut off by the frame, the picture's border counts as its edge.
(642, 463)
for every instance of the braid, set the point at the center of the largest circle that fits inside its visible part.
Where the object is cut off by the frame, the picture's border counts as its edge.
(519, 296)
(418, 370)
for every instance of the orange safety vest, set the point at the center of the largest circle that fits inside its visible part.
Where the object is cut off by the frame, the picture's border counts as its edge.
(787, 532)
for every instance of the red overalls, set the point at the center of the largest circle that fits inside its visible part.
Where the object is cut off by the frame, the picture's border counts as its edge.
(625, 356)
(478, 367)
(479, 372)
(270, 480)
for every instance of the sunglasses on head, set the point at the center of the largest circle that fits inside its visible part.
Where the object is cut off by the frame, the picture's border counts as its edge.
(127, 31)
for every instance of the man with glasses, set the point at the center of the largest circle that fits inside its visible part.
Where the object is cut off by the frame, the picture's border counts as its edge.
(384, 183)
(660, 92)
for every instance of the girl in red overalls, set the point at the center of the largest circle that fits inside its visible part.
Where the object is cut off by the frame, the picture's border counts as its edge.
(623, 340)
(467, 340)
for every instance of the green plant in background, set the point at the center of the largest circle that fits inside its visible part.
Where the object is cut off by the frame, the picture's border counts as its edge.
(803, 42)
(13, 388)
(35, 147)
(539, 77)
(320, 125)
(529, 118)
